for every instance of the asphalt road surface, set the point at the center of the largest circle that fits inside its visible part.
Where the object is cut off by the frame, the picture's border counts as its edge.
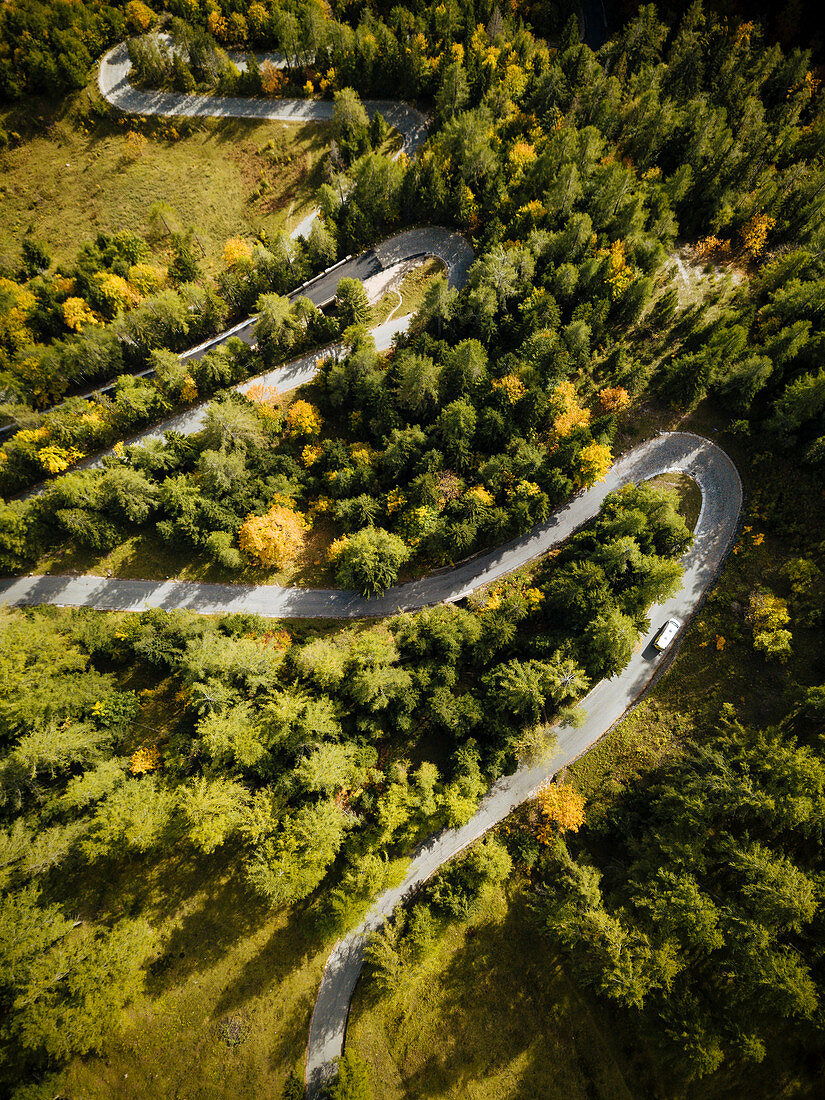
(606, 703)
(446, 245)
(721, 492)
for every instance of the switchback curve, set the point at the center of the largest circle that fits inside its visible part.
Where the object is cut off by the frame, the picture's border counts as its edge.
(605, 705)
(701, 459)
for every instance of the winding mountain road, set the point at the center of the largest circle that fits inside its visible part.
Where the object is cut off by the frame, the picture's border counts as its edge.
(411, 244)
(418, 243)
(693, 455)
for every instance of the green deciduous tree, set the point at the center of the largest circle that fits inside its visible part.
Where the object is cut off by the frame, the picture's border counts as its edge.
(369, 561)
(291, 858)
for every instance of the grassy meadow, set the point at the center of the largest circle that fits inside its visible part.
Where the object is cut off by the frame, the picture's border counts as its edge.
(79, 169)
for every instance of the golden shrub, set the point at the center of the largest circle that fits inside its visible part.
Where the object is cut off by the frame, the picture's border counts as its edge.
(274, 539)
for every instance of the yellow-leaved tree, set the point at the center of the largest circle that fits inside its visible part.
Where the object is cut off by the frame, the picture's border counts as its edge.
(303, 418)
(113, 292)
(522, 154)
(218, 26)
(755, 233)
(274, 539)
(139, 16)
(511, 386)
(144, 759)
(594, 462)
(568, 414)
(146, 278)
(560, 808)
(77, 313)
(768, 617)
(235, 250)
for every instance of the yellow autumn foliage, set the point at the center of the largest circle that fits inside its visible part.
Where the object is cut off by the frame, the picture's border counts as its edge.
(522, 154)
(480, 496)
(303, 418)
(189, 390)
(594, 461)
(13, 329)
(613, 399)
(755, 233)
(218, 26)
(272, 79)
(115, 291)
(511, 386)
(560, 808)
(569, 414)
(310, 455)
(145, 759)
(77, 313)
(136, 144)
(265, 397)
(274, 539)
(335, 548)
(139, 16)
(55, 460)
(146, 278)
(236, 250)
(395, 501)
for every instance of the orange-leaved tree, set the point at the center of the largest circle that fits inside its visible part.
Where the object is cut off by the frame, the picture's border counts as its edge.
(561, 809)
(274, 539)
(613, 399)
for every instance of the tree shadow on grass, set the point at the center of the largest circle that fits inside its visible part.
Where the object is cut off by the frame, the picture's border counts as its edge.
(200, 905)
(477, 1036)
(286, 950)
(226, 914)
(507, 1013)
(225, 129)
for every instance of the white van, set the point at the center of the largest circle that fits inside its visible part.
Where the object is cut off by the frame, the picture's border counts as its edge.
(666, 634)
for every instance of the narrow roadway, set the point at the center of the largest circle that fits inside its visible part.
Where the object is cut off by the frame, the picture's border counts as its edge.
(114, 85)
(721, 491)
(444, 244)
